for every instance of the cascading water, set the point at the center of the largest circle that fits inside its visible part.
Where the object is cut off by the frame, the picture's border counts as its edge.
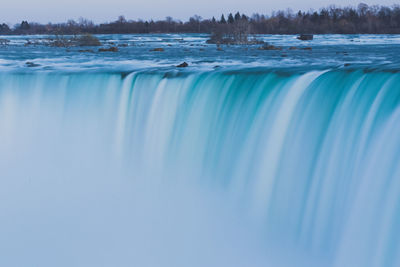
(220, 168)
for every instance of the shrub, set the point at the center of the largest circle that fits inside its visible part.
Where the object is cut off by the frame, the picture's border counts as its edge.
(88, 40)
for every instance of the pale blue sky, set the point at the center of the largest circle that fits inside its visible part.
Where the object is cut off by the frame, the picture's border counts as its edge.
(106, 10)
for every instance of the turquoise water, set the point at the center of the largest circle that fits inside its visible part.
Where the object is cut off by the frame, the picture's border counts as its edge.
(328, 51)
(235, 166)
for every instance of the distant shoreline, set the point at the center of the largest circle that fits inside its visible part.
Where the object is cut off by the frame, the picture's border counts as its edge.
(363, 19)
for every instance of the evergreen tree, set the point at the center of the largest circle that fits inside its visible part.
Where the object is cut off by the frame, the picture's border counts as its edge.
(299, 14)
(237, 16)
(24, 25)
(222, 21)
(4, 28)
(230, 18)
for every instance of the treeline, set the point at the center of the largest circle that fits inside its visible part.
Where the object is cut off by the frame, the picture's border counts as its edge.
(362, 19)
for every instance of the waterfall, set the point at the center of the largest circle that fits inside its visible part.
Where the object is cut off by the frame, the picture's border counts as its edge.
(220, 168)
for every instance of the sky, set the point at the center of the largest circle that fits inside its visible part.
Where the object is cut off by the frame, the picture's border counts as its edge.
(44, 11)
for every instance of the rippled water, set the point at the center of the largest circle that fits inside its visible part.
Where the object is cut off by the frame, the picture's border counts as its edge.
(328, 51)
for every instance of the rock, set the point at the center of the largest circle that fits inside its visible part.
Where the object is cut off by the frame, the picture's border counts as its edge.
(283, 55)
(123, 45)
(269, 47)
(305, 37)
(110, 49)
(86, 51)
(4, 41)
(307, 48)
(201, 49)
(219, 49)
(183, 65)
(31, 64)
(293, 48)
(157, 50)
(347, 64)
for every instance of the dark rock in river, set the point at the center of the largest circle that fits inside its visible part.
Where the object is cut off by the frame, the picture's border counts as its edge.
(110, 49)
(183, 65)
(269, 47)
(157, 50)
(86, 51)
(305, 37)
(31, 64)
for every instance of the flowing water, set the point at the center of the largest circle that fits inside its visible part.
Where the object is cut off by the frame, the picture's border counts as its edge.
(280, 165)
